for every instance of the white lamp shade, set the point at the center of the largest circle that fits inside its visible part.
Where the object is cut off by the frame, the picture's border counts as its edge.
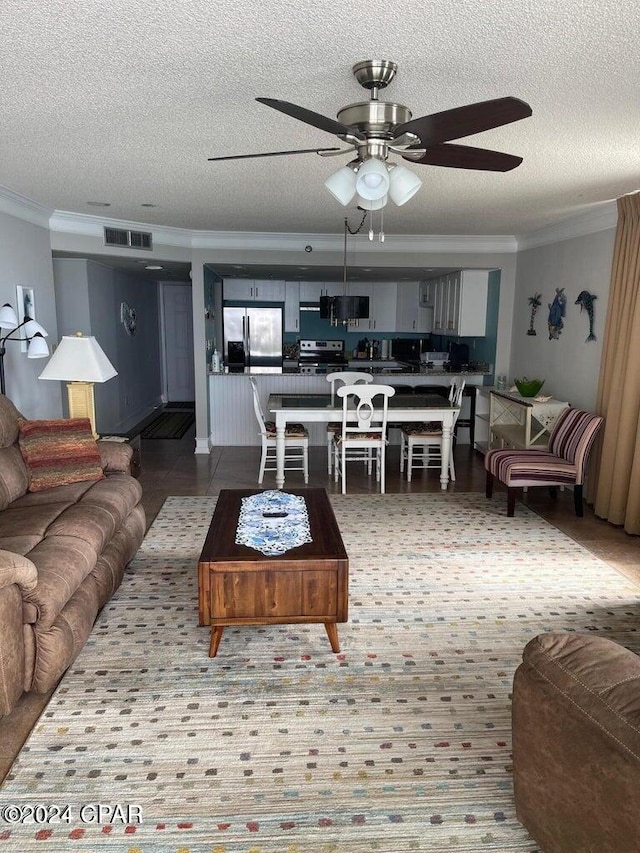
(342, 185)
(79, 359)
(372, 181)
(372, 204)
(32, 327)
(8, 317)
(38, 347)
(403, 184)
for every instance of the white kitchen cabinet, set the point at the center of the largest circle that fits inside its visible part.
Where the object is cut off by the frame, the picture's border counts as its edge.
(292, 306)
(382, 306)
(251, 290)
(311, 291)
(459, 302)
(411, 314)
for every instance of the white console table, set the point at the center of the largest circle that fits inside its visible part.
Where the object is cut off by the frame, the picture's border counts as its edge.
(521, 422)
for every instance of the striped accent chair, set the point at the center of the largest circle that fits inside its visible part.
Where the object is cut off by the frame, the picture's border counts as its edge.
(562, 464)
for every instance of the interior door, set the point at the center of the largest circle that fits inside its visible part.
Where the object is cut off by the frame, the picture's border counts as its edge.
(178, 333)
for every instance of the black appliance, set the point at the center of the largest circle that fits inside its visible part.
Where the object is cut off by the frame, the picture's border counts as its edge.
(341, 309)
(321, 357)
(236, 357)
(409, 349)
(458, 357)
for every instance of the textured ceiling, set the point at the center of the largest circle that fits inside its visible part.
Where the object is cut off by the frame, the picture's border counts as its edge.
(123, 103)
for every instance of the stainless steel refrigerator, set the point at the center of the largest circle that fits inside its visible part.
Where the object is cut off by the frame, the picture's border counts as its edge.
(252, 337)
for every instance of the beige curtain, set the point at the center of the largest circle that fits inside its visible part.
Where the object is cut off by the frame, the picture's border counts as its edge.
(615, 492)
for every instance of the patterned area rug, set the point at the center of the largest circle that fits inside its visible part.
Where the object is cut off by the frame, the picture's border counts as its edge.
(399, 743)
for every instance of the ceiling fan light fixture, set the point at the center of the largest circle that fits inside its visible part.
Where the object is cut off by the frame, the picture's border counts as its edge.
(372, 203)
(403, 184)
(342, 185)
(372, 180)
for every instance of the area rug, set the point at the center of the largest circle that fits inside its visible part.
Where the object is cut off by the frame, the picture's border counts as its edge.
(401, 742)
(169, 425)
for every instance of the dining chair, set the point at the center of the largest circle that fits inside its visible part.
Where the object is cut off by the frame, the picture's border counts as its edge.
(296, 442)
(562, 464)
(365, 437)
(337, 379)
(421, 443)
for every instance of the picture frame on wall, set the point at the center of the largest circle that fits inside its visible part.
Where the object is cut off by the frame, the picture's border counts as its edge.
(25, 308)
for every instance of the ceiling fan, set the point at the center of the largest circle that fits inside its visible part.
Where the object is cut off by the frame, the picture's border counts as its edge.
(374, 129)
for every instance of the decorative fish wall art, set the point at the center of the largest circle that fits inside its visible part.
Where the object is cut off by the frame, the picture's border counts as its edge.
(534, 302)
(557, 310)
(585, 300)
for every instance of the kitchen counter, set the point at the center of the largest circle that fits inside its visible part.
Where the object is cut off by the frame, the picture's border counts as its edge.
(364, 366)
(232, 420)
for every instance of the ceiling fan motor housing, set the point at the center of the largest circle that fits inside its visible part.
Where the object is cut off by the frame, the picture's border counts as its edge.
(376, 119)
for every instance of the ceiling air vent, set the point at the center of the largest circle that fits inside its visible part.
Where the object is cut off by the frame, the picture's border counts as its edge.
(132, 239)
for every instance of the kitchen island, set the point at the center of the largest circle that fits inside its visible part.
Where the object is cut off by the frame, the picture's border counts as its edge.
(231, 418)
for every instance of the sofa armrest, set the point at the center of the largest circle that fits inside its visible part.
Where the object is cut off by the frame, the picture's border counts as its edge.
(115, 456)
(14, 568)
(576, 743)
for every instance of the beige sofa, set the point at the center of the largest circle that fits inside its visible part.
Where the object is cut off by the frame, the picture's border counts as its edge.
(63, 552)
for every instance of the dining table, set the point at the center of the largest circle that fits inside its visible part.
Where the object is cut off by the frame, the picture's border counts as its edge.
(322, 408)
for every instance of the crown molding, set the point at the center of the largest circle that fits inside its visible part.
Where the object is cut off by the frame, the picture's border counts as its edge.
(601, 218)
(86, 225)
(14, 204)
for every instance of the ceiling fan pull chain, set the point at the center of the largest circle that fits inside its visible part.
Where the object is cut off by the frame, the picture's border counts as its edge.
(382, 224)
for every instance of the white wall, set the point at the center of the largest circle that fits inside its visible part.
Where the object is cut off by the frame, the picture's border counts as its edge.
(25, 259)
(569, 365)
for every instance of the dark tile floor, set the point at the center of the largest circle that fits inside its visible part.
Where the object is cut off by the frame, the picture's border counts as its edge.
(169, 467)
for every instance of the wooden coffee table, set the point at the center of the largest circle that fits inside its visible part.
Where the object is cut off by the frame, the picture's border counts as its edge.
(238, 585)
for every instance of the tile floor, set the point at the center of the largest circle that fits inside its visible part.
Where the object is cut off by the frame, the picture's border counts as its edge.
(169, 467)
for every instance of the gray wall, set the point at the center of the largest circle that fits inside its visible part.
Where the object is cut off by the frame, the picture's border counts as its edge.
(88, 298)
(569, 365)
(25, 259)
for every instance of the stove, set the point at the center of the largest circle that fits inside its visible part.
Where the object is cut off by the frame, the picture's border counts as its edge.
(321, 357)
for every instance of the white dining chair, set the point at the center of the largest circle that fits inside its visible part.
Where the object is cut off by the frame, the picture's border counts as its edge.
(363, 433)
(296, 442)
(421, 443)
(337, 380)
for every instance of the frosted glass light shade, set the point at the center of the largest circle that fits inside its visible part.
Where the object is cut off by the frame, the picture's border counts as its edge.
(342, 185)
(403, 184)
(32, 327)
(79, 359)
(8, 317)
(372, 180)
(38, 347)
(372, 204)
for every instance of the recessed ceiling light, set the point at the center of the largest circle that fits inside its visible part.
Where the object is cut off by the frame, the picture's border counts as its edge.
(99, 203)
(153, 267)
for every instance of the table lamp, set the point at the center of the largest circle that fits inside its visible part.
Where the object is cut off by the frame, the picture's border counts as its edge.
(80, 361)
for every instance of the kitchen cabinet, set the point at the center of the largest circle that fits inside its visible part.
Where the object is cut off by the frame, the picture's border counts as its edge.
(521, 422)
(411, 314)
(292, 306)
(382, 306)
(311, 291)
(252, 290)
(459, 302)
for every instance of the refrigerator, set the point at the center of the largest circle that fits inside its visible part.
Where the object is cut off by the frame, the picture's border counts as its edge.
(252, 337)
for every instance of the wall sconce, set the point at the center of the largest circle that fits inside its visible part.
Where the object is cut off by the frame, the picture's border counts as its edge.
(34, 337)
(80, 361)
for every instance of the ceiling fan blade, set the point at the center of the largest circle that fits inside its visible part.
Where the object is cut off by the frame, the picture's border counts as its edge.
(320, 151)
(464, 121)
(465, 157)
(314, 119)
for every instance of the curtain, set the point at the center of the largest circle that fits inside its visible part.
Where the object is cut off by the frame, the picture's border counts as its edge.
(616, 489)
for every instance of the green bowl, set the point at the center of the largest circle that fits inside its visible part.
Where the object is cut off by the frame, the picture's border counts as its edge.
(528, 387)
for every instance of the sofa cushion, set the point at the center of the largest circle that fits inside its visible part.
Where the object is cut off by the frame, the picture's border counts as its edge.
(8, 422)
(14, 477)
(58, 452)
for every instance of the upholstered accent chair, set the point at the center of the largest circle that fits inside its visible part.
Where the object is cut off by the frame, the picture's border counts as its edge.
(562, 464)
